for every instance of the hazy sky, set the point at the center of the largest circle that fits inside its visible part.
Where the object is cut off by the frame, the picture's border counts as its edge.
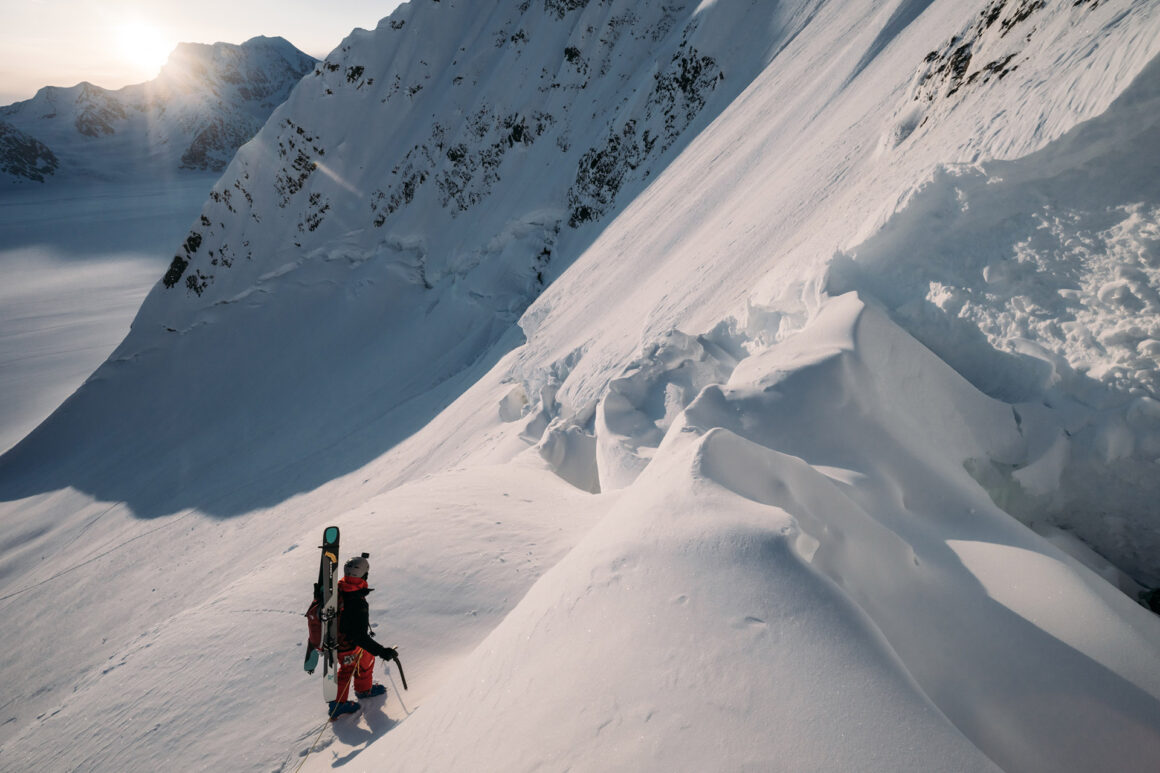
(113, 43)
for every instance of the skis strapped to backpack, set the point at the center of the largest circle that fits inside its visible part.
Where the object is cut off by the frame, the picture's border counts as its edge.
(325, 609)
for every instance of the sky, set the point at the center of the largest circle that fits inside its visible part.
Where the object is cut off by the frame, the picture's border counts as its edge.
(113, 43)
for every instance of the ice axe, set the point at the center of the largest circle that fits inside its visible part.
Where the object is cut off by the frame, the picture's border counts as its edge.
(401, 675)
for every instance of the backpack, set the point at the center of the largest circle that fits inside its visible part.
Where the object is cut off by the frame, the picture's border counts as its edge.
(314, 627)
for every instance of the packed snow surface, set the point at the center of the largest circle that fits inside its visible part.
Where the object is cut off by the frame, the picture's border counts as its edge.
(715, 386)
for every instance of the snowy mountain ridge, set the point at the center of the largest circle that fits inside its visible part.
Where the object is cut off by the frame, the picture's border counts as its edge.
(717, 385)
(617, 88)
(206, 102)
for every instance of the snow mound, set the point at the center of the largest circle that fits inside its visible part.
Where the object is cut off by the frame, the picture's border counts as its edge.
(823, 567)
(865, 446)
(1038, 279)
(742, 657)
(641, 405)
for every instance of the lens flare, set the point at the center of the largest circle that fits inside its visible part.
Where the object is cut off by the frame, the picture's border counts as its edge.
(142, 45)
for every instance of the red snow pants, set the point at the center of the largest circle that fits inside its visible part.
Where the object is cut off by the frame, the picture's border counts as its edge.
(355, 665)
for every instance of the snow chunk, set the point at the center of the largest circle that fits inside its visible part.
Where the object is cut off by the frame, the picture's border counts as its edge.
(639, 407)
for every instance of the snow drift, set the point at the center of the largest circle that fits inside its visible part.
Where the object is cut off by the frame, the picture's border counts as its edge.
(799, 539)
(1039, 280)
(688, 371)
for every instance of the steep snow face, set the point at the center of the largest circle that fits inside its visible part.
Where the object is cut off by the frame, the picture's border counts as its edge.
(1016, 272)
(1021, 45)
(847, 134)
(207, 101)
(487, 136)
(1041, 284)
(432, 169)
(793, 560)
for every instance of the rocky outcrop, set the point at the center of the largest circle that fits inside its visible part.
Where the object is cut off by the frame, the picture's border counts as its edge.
(23, 157)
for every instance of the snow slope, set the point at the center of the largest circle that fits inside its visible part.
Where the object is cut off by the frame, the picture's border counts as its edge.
(705, 447)
(784, 582)
(207, 101)
(1040, 284)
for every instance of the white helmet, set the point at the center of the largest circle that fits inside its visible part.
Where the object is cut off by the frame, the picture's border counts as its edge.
(357, 567)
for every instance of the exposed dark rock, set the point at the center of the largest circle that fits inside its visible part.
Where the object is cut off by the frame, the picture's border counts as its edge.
(176, 270)
(679, 94)
(22, 155)
(562, 7)
(954, 67)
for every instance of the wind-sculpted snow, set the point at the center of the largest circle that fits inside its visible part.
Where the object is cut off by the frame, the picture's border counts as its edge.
(804, 524)
(784, 518)
(641, 406)
(731, 636)
(876, 496)
(1041, 284)
(604, 446)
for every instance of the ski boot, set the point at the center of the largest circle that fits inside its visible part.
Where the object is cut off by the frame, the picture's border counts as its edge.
(338, 708)
(376, 689)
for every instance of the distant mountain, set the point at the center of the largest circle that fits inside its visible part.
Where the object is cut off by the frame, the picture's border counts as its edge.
(24, 156)
(207, 101)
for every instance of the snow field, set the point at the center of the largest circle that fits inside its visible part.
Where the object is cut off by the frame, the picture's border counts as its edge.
(71, 289)
(47, 349)
(799, 555)
(238, 652)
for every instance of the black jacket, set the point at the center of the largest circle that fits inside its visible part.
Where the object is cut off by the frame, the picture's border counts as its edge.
(354, 626)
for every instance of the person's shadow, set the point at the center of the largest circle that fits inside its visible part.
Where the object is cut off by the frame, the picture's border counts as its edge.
(357, 736)
(377, 724)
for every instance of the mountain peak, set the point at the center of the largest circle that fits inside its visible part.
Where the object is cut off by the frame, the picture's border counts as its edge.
(276, 41)
(207, 100)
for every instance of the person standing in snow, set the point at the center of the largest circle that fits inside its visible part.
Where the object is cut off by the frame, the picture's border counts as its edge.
(357, 649)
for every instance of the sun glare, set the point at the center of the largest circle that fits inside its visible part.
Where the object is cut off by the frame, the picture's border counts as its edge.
(142, 45)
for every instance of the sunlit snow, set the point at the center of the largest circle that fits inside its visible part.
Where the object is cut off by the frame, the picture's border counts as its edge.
(714, 386)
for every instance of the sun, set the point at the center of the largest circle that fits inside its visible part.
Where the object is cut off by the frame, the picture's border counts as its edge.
(142, 45)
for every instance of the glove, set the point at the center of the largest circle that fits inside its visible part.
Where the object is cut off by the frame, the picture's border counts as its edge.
(389, 653)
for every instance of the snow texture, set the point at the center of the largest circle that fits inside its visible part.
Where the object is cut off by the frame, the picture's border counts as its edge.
(715, 386)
